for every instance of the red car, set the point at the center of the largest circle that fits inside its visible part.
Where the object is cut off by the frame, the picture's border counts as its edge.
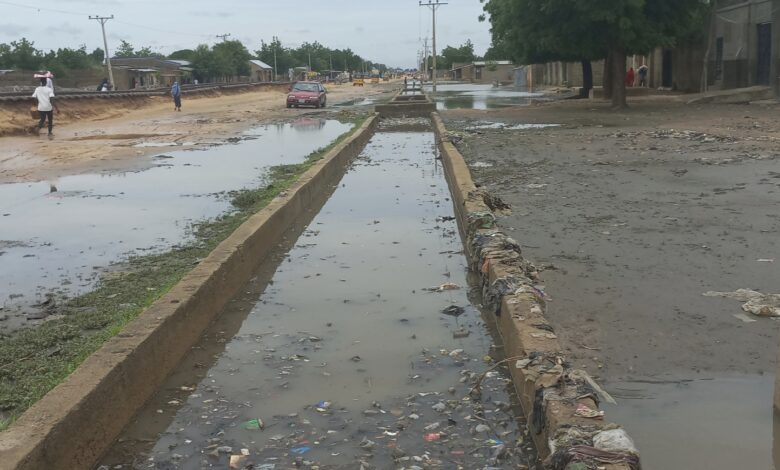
(307, 94)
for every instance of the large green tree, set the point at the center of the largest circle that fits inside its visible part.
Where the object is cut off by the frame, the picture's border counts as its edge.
(451, 55)
(546, 30)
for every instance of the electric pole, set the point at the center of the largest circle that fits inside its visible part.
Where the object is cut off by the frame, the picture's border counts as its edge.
(102, 20)
(425, 58)
(223, 36)
(434, 5)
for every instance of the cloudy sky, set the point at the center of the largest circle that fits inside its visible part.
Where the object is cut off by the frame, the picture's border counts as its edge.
(386, 31)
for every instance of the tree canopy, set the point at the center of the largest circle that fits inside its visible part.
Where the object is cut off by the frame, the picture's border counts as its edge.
(534, 31)
(451, 55)
(125, 50)
(321, 57)
(23, 55)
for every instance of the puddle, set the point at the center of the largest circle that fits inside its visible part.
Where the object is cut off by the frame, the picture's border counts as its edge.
(356, 102)
(159, 144)
(718, 424)
(508, 127)
(346, 357)
(471, 96)
(62, 240)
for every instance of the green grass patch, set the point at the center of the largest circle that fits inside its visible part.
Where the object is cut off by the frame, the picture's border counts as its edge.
(36, 359)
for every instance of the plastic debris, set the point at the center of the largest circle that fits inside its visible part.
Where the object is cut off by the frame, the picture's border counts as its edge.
(300, 450)
(444, 287)
(762, 305)
(433, 436)
(237, 460)
(584, 411)
(254, 424)
(323, 406)
(614, 440)
(453, 310)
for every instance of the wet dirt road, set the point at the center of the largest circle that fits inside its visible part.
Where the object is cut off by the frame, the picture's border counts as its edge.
(338, 356)
(59, 243)
(636, 215)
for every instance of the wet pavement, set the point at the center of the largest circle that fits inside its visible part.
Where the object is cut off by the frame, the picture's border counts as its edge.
(633, 225)
(340, 355)
(59, 236)
(474, 96)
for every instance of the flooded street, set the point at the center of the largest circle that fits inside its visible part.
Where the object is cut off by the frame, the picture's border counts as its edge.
(476, 96)
(635, 220)
(357, 349)
(58, 236)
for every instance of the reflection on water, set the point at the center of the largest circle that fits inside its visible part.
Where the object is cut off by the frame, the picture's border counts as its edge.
(720, 424)
(472, 96)
(61, 239)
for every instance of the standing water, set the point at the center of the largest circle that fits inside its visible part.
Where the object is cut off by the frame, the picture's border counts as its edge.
(60, 235)
(360, 352)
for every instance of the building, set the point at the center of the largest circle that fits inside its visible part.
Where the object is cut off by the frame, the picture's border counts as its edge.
(260, 71)
(745, 44)
(149, 72)
(501, 71)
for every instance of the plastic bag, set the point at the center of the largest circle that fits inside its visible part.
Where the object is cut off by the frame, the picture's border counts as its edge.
(614, 440)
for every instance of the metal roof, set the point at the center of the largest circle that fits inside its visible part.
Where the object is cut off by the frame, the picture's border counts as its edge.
(261, 64)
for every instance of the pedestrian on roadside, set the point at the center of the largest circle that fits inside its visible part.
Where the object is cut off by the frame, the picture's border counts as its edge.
(630, 76)
(103, 85)
(176, 93)
(643, 75)
(46, 105)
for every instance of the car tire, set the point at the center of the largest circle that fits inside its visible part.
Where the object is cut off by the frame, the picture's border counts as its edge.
(289, 105)
(324, 103)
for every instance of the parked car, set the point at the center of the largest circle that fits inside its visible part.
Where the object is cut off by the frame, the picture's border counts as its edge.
(307, 94)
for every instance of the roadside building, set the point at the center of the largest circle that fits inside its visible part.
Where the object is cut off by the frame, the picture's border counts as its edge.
(260, 71)
(490, 71)
(745, 44)
(149, 72)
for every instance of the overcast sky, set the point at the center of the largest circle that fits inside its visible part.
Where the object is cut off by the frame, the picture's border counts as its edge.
(386, 31)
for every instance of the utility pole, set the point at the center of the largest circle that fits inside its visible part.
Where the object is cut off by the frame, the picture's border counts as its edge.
(102, 20)
(223, 36)
(433, 6)
(425, 57)
(276, 71)
(309, 63)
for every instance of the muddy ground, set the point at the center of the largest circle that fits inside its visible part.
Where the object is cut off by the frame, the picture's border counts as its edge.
(635, 215)
(102, 135)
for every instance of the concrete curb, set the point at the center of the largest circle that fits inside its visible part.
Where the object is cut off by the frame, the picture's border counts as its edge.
(550, 391)
(406, 106)
(74, 424)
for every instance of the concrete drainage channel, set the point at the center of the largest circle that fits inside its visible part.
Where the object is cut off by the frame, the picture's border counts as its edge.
(355, 343)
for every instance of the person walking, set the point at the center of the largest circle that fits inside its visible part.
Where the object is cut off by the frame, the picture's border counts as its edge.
(643, 75)
(46, 105)
(103, 85)
(176, 93)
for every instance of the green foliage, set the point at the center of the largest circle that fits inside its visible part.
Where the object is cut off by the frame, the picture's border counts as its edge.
(451, 55)
(127, 51)
(182, 54)
(236, 57)
(23, 55)
(321, 57)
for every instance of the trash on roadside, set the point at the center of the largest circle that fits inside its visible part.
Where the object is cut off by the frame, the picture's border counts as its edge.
(453, 311)
(762, 305)
(460, 333)
(584, 411)
(614, 440)
(300, 450)
(323, 406)
(237, 460)
(433, 436)
(444, 287)
(254, 424)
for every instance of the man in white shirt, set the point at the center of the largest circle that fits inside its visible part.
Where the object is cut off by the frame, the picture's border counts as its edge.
(46, 105)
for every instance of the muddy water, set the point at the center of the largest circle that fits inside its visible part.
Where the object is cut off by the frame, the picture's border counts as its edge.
(340, 350)
(722, 423)
(471, 96)
(59, 235)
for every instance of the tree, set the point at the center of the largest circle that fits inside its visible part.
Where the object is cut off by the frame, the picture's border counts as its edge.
(98, 56)
(236, 56)
(24, 55)
(451, 55)
(182, 54)
(124, 50)
(544, 30)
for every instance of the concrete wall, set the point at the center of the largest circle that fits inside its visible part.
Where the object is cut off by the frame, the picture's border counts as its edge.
(737, 24)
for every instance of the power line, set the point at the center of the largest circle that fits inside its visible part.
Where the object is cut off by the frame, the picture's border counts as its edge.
(40, 9)
(223, 36)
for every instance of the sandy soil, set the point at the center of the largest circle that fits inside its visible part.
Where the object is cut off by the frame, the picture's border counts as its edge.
(93, 137)
(637, 214)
